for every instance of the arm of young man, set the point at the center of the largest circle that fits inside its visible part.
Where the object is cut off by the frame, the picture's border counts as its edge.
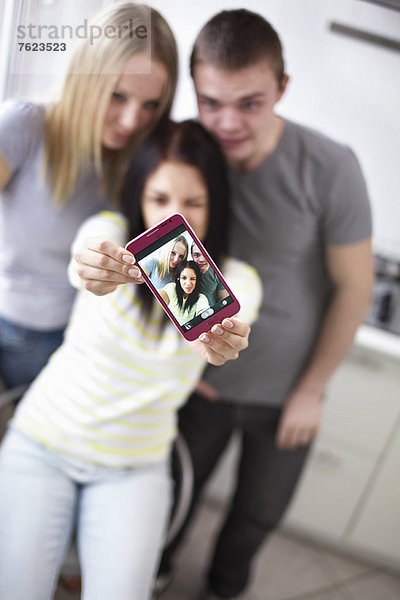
(351, 269)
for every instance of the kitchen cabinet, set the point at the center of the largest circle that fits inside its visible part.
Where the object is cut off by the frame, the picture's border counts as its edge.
(329, 491)
(348, 497)
(378, 527)
(349, 493)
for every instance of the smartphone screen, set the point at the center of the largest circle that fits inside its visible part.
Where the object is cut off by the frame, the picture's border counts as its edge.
(183, 276)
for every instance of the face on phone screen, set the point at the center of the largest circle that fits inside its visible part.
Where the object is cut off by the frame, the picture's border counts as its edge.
(183, 275)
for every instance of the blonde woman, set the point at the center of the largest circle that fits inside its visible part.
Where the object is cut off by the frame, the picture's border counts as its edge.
(163, 270)
(61, 162)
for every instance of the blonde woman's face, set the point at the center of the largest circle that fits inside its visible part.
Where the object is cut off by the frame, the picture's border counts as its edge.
(134, 102)
(178, 254)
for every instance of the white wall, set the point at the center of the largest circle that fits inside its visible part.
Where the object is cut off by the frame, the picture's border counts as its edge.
(346, 88)
(40, 73)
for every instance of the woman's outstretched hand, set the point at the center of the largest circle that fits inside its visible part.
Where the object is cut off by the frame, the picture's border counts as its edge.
(223, 342)
(102, 265)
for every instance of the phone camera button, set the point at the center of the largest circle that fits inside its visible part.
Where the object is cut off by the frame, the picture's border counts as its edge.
(207, 313)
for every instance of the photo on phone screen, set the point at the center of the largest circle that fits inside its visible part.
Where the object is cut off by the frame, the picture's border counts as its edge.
(183, 276)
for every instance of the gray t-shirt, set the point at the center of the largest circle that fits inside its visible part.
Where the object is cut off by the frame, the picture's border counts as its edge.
(210, 286)
(35, 235)
(310, 192)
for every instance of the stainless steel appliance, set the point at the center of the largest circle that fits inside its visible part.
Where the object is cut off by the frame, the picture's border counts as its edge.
(385, 305)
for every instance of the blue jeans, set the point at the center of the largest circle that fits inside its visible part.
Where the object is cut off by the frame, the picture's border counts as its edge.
(24, 352)
(121, 518)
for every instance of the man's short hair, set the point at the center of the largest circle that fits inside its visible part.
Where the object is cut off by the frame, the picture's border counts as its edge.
(235, 39)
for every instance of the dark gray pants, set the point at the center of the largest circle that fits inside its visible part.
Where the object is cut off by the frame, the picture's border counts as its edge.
(265, 482)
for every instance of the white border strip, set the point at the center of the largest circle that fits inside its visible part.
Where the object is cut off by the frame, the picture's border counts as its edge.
(5, 45)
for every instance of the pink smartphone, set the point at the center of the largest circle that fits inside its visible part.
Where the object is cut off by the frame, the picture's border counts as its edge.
(196, 298)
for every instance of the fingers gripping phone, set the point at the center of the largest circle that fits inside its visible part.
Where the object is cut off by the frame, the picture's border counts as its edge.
(183, 277)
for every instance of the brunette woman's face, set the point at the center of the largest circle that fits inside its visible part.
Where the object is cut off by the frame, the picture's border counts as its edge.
(134, 101)
(187, 280)
(176, 187)
(178, 254)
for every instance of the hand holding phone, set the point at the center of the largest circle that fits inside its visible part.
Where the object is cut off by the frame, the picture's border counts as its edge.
(100, 265)
(196, 297)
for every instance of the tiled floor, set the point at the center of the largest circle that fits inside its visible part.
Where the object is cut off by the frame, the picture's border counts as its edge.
(287, 569)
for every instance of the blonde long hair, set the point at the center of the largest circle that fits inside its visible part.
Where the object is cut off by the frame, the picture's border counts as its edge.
(74, 123)
(163, 267)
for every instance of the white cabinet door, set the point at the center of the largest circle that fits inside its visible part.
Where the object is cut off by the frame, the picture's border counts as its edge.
(362, 403)
(378, 527)
(329, 491)
(361, 406)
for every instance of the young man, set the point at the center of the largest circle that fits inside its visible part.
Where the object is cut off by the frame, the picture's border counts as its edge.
(210, 284)
(302, 219)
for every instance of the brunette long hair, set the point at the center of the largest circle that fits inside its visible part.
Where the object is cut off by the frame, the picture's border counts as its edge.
(187, 142)
(194, 296)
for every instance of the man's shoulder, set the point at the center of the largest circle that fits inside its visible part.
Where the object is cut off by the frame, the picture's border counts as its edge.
(210, 276)
(314, 143)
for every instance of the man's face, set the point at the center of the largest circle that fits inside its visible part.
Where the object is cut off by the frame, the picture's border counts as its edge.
(238, 108)
(200, 259)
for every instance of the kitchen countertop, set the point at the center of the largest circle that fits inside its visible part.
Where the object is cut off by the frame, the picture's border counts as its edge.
(378, 341)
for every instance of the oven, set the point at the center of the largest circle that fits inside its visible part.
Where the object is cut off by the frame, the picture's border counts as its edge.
(384, 310)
